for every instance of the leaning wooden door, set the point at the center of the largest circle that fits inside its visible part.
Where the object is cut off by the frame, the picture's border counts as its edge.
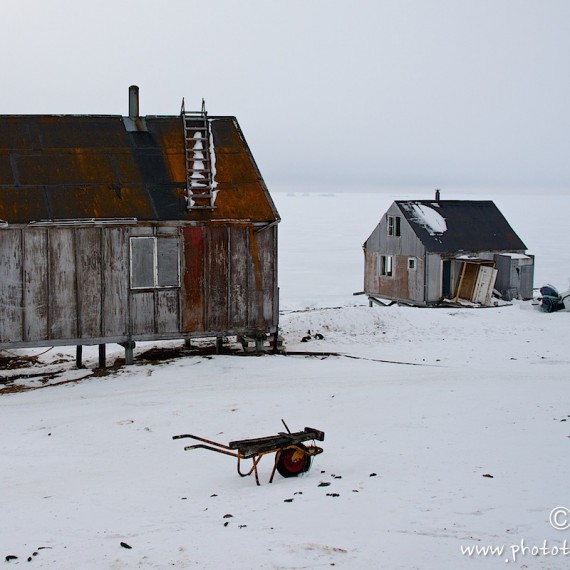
(483, 290)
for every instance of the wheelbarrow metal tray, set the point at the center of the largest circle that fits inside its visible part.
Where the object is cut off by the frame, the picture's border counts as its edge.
(248, 448)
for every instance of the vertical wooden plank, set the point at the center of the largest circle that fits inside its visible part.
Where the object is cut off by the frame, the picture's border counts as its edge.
(115, 281)
(88, 256)
(62, 284)
(239, 262)
(36, 290)
(217, 275)
(370, 271)
(11, 311)
(265, 239)
(255, 283)
(167, 310)
(433, 272)
(192, 297)
(275, 284)
(142, 313)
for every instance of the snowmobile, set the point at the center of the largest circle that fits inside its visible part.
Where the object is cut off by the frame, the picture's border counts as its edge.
(551, 300)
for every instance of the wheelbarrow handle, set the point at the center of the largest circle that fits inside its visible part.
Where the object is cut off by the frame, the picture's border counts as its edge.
(203, 446)
(200, 439)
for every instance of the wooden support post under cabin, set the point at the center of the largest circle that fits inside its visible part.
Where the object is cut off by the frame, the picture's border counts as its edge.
(219, 344)
(260, 343)
(129, 352)
(79, 356)
(187, 343)
(102, 356)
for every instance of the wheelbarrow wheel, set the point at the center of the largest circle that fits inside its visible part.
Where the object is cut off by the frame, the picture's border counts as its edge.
(293, 461)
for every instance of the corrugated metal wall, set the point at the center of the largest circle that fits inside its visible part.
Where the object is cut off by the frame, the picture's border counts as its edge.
(515, 277)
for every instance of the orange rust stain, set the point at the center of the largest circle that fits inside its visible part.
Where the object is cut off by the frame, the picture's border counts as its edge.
(176, 165)
(90, 166)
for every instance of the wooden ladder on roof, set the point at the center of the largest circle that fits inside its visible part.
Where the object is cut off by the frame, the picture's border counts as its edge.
(199, 176)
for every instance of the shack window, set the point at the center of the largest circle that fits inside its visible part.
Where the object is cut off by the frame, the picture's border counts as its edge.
(386, 265)
(394, 225)
(411, 263)
(154, 263)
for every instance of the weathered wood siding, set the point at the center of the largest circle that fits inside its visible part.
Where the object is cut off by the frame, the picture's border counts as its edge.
(404, 283)
(167, 302)
(434, 285)
(11, 264)
(239, 255)
(142, 313)
(115, 273)
(72, 285)
(35, 301)
(230, 279)
(217, 271)
(265, 239)
(90, 284)
(193, 280)
(62, 284)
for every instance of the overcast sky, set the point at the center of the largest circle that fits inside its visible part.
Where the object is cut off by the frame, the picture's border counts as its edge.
(367, 93)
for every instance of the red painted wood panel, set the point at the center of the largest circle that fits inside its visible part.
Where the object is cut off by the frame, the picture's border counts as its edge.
(217, 278)
(193, 279)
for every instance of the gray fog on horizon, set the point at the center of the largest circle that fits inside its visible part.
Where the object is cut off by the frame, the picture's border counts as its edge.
(329, 94)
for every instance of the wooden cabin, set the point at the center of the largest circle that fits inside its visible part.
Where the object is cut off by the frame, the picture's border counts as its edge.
(120, 229)
(424, 252)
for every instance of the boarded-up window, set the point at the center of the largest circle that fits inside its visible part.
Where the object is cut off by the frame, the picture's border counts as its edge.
(168, 274)
(155, 262)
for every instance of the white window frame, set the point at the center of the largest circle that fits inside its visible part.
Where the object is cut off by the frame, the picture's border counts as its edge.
(412, 263)
(387, 265)
(394, 225)
(155, 262)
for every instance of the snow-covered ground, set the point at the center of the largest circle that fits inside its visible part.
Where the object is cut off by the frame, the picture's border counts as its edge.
(446, 429)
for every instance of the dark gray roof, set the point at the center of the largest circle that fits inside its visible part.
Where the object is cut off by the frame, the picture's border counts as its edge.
(91, 166)
(460, 225)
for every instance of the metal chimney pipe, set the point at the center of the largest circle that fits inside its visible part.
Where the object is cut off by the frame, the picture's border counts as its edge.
(437, 195)
(133, 102)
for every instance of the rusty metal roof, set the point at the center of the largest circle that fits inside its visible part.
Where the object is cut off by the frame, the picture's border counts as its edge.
(471, 225)
(88, 166)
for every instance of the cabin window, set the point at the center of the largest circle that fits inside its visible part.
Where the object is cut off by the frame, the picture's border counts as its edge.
(386, 265)
(394, 223)
(411, 263)
(155, 262)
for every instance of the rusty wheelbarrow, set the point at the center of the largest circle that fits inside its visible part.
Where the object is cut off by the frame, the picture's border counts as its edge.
(292, 457)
